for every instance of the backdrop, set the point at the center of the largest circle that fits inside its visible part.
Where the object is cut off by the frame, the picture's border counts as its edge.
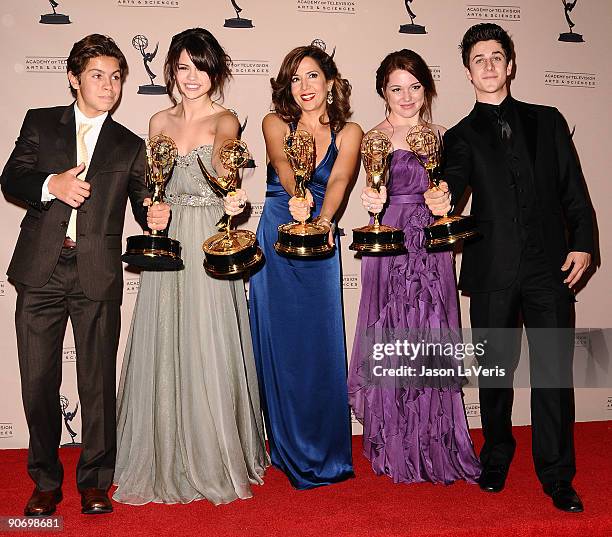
(571, 72)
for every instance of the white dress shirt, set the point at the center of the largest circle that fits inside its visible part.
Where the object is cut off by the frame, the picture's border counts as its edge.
(91, 139)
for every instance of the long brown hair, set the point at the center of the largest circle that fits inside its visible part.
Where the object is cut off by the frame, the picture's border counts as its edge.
(284, 104)
(407, 60)
(206, 54)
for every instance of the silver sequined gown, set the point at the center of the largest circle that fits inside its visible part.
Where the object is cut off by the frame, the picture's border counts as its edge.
(189, 424)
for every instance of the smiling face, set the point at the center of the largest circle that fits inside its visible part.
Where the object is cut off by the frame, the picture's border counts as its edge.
(309, 87)
(405, 95)
(98, 87)
(488, 71)
(191, 82)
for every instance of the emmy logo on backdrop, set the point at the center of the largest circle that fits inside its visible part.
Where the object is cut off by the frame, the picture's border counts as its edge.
(321, 44)
(411, 28)
(68, 417)
(54, 18)
(571, 36)
(140, 43)
(238, 21)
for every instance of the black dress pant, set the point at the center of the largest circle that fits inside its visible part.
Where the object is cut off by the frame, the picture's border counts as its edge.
(545, 306)
(40, 318)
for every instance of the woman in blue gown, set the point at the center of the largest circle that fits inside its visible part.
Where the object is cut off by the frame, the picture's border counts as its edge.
(296, 304)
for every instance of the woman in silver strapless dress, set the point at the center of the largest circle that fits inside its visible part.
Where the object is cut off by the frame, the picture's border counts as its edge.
(189, 419)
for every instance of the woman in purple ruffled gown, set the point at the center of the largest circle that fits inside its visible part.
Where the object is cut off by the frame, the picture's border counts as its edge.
(415, 428)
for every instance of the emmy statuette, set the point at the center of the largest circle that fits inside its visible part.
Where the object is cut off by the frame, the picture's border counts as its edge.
(302, 239)
(377, 238)
(156, 251)
(229, 252)
(427, 148)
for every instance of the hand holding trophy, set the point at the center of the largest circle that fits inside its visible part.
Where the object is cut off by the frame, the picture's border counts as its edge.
(302, 239)
(230, 252)
(156, 251)
(427, 148)
(377, 238)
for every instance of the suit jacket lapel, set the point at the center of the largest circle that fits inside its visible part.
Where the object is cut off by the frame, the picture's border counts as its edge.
(105, 145)
(493, 149)
(65, 143)
(529, 123)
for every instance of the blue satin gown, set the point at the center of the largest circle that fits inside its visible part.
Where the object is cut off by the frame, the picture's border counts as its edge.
(298, 338)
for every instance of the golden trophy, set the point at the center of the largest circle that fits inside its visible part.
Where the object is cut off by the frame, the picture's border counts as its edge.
(229, 252)
(427, 148)
(377, 238)
(302, 239)
(156, 251)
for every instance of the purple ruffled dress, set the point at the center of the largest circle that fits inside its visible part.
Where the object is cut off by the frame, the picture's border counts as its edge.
(413, 431)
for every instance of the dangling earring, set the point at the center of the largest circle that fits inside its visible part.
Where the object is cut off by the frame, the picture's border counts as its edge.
(330, 97)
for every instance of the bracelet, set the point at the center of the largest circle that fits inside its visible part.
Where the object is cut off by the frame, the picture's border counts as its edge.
(323, 219)
(332, 226)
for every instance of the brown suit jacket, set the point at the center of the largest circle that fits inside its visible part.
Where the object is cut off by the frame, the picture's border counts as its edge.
(46, 145)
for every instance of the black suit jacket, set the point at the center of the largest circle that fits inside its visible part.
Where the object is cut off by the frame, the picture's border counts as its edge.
(475, 157)
(46, 145)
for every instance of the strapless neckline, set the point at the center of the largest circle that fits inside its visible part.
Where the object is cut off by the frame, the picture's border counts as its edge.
(182, 161)
(402, 149)
(194, 150)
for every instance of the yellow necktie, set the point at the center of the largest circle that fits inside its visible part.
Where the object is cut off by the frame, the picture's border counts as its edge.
(82, 156)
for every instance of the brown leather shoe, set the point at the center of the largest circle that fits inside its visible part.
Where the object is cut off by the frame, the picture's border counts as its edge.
(95, 502)
(43, 503)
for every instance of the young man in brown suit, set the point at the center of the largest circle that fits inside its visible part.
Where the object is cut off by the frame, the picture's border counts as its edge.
(75, 168)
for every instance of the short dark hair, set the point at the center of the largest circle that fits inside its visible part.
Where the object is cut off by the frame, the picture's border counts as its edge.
(284, 104)
(485, 31)
(206, 54)
(93, 46)
(407, 60)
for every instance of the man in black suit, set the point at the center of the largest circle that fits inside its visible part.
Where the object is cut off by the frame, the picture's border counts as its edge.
(75, 168)
(536, 227)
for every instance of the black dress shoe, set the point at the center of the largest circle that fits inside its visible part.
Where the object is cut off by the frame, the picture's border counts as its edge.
(43, 503)
(95, 502)
(564, 496)
(493, 478)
